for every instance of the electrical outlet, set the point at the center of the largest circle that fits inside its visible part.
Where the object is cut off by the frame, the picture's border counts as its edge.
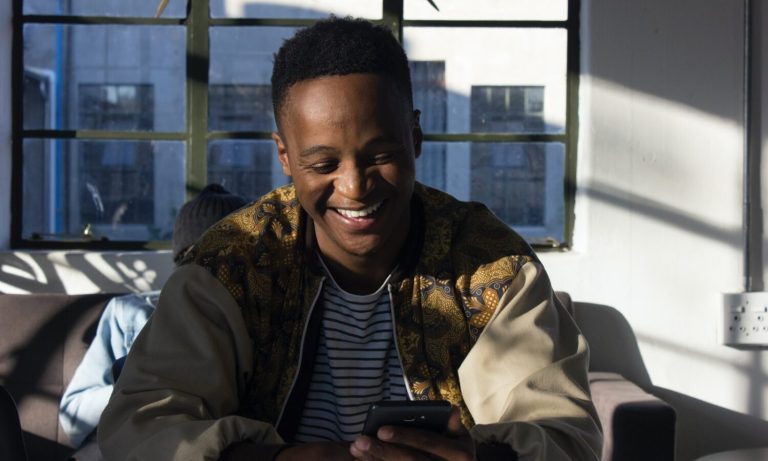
(745, 319)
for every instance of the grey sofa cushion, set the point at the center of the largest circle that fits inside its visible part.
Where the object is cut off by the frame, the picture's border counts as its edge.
(42, 340)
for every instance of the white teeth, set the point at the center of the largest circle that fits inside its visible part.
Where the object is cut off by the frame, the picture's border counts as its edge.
(359, 213)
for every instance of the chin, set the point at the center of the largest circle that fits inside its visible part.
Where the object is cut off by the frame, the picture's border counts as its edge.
(366, 250)
(363, 252)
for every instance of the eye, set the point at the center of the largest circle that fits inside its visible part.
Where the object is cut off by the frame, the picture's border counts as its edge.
(323, 167)
(384, 157)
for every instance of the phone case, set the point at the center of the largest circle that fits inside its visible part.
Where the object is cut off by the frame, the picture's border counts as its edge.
(422, 414)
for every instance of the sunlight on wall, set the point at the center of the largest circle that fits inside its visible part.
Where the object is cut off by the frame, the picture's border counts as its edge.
(658, 232)
(73, 279)
(77, 272)
(97, 261)
(668, 150)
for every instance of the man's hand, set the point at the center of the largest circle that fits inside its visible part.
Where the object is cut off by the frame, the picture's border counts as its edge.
(399, 443)
(320, 451)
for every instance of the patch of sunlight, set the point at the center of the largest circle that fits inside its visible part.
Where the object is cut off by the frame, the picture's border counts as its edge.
(100, 264)
(130, 273)
(73, 280)
(12, 290)
(11, 270)
(36, 269)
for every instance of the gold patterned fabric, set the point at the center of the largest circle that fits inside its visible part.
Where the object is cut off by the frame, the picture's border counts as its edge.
(466, 261)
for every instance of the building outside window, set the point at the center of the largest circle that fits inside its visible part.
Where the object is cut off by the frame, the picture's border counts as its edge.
(115, 178)
(247, 167)
(430, 96)
(521, 182)
(121, 116)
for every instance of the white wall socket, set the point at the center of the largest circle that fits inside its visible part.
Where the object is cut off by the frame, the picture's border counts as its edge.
(745, 319)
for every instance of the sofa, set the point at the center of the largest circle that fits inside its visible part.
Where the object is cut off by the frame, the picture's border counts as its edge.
(43, 338)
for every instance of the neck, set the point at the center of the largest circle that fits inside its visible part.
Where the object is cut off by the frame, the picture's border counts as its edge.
(361, 278)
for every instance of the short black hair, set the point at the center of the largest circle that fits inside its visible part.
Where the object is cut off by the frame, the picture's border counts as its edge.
(339, 46)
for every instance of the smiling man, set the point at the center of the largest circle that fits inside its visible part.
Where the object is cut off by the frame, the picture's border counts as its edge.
(350, 144)
(352, 285)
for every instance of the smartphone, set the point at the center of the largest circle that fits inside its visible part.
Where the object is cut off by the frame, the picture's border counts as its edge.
(422, 414)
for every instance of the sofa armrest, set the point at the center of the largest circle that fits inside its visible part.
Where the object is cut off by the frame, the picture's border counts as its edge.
(636, 424)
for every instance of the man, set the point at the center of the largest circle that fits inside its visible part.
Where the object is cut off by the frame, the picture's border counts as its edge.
(353, 284)
(91, 385)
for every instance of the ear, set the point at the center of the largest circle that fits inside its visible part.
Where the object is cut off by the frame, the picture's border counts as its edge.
(282, 153)
(418, 136)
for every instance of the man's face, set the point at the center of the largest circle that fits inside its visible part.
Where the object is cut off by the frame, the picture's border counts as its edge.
(350, 143)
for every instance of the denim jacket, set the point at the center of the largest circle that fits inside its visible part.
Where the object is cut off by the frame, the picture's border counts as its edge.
(91, 386)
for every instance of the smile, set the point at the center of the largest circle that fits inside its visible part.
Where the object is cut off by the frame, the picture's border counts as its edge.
(365, 212)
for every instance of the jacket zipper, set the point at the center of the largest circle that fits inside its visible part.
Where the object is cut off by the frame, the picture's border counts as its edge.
(397, 344)
(301, 352)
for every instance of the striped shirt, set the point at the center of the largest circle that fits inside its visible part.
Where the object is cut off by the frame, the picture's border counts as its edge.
(356, 364)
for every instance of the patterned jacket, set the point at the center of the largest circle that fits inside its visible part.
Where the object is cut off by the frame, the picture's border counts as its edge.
(461, 269)
(441, 301)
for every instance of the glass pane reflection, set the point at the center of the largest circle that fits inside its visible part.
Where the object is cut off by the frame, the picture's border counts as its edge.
(120, 190)
(522, 183)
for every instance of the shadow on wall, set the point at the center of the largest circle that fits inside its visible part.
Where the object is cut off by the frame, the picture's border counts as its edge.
(702, 428)
(669, 49)
(661, 212)
(83, 272)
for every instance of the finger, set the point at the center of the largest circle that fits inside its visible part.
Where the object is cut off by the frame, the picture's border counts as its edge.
(361, 449)
(377, 450)
(425, 441)
(455, 426)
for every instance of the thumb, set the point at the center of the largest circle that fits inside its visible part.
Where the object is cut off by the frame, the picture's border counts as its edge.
(455, 427)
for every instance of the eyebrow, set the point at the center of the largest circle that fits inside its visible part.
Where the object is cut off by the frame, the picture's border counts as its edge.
(312, 150)
(320, 148)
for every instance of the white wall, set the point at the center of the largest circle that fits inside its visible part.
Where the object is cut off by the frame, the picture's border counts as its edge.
(658, 217)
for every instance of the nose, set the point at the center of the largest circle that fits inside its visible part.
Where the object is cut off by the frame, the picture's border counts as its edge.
(353, 182)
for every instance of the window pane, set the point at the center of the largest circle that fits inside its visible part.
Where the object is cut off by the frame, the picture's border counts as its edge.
(247, 168)
(462, 85)
(431, 166)
(507, 109)
(126, 78)
(125, 190)
(240, 94)
(242, 107)
(137, 8)
(522, 183)
(292, 9)
(533, 10)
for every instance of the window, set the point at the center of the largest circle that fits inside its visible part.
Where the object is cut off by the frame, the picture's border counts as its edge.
(431, 97)
(118, 188)
(521, 182)
(241, 165)
(120, 116)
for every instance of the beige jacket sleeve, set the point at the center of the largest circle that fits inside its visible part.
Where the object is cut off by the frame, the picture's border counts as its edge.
(180, 387)
(525, 380)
